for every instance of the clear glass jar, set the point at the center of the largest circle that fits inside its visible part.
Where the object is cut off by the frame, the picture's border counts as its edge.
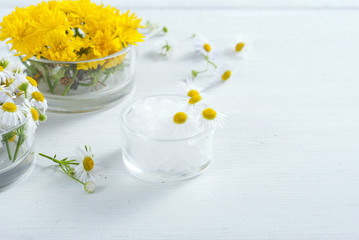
(157, 159)
(16, 152)
(83, 86)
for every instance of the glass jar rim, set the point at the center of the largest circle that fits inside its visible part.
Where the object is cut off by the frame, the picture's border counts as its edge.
(124, 124)
(5, 131)
(44, 60)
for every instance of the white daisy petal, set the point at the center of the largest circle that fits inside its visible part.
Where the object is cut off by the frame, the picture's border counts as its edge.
(242, 46)
(11, 115)
(210, 118)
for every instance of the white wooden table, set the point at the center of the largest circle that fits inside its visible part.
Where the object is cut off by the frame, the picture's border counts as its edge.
(287, 164)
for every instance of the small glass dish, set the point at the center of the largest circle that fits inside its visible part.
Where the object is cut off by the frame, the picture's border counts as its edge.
(82, 86)
(164, 159)
(16, 152)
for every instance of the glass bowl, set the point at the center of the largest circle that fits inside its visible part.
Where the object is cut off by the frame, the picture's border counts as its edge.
(83, 86)
(16, 152)
(164, 159)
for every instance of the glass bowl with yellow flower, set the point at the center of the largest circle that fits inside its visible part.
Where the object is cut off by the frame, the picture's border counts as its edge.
(82, 55)
(22, 107)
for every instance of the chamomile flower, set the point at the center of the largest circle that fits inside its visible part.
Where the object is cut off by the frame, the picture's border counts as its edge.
(223, 73)
(11, 115)
(189, 87)
(32, 84)
(180, 121)
(35, 115)
(86, 168)
(205, 47)
(165, 46)
(37, 100)
(5, 95)
(20, 83)
(5, 76)
(15, 67)
(183, 124)
(241, 46)
(212, 119)
(199, 102)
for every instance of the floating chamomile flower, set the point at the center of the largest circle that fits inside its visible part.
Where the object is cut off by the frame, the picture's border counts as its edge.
(11, 115)
(86, 168)
(38, 100)
(181, 121)
(180, 118)
(212, 119)
(183, 124)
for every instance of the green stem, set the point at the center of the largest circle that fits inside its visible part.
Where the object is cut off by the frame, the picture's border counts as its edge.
(47, 78)
(51, 158)
(107, 76)
(56, 81)
(212, 63)
(65, 163)
(19, 142)
(76, 179)
(8, 148)
(96, 78)
(73, 80)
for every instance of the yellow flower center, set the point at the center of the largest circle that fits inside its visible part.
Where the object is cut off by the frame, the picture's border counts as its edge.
(194, 99)
(31, 81)
(88, 163)
(1, 69)
(38, 96)
(207, 47)
(9, 107)
(239, 46)
(192, 93)
(34, 114)
(180, 117)
(226, 75)
(209, 114)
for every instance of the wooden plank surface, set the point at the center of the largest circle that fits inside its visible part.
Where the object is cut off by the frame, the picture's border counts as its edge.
(286, 165)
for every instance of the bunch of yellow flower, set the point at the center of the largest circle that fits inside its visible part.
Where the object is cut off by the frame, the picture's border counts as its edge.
(69, 30)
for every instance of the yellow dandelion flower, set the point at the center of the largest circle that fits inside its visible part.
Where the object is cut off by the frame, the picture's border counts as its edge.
(70, 31)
